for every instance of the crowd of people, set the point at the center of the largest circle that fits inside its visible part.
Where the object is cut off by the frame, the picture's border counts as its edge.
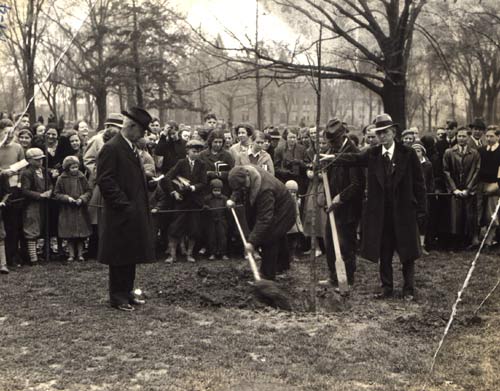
(51, 204)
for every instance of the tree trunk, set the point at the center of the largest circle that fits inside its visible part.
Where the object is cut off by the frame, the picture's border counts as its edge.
(162, 112)
(121, 98)
(490, 107)
(477, 108)
(230, 109)
(393, 97)
(74, 104)
(100, 101)
(30, 92)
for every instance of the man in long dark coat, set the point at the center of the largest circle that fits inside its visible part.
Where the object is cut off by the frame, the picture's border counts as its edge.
(461, 166)
(347, 186)
(125, 237)
(395, 200)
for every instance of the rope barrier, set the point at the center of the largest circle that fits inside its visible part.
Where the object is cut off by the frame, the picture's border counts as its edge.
(160, 211)
(460, 292)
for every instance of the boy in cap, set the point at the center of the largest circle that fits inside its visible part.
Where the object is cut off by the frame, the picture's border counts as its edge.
(36, 188)
(185, 182)
(217, 233)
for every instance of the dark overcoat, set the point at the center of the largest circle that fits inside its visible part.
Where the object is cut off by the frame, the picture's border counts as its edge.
(187, 223)
(349, 182)
(125, 231)
(272, 212)
(34, 205)
(171, 151)
(74, 220)
(409, 200)
(461, 172)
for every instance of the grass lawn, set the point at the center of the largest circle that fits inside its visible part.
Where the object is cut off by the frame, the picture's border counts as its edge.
(202, 330)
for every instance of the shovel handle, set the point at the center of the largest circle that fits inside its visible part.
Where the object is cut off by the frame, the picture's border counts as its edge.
(251, 259)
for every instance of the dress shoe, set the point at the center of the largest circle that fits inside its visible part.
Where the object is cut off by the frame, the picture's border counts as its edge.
(409, 298)
(328, 282)
(136, 301)
(386, 294)
(124, 307)
(4, 269)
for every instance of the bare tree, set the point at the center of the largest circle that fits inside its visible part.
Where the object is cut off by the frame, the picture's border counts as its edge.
(26, 27)
(378, 36)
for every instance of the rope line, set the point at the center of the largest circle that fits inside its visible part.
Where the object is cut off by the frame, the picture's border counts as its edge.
(159, 211)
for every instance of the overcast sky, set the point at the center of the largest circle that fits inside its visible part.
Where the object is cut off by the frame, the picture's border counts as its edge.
(238, 16)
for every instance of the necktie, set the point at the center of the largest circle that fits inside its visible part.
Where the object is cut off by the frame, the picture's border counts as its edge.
(387, 163)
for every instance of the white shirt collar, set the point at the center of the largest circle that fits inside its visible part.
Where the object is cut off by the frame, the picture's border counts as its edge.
(390, 150)
(250, 152)
(492, 147)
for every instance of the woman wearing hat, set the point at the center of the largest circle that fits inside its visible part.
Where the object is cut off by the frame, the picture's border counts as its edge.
(429, 188)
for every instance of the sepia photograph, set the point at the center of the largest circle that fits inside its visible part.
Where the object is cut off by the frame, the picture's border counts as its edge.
(249, 195)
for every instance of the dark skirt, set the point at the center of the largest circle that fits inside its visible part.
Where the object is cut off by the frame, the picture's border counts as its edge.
(185, 224)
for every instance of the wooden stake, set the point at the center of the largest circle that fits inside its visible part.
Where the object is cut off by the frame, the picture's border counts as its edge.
(339, 262)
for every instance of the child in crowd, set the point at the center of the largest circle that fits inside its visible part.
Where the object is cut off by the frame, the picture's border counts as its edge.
(35, 188)
(217, 232)
(3, 199)
(429, 186)
(73, 191)
(297, 229)
(185, 182)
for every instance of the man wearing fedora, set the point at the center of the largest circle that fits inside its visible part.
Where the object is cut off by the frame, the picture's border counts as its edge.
(346, 187)
(125, 231)
(478, 129)
(112, 125)
(396, 200)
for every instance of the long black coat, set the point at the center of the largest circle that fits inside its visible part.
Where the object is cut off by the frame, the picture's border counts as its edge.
(272, 213)
(349, 182)
(171, 151)
(125, 231)
(197, 178)
(409, 200)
